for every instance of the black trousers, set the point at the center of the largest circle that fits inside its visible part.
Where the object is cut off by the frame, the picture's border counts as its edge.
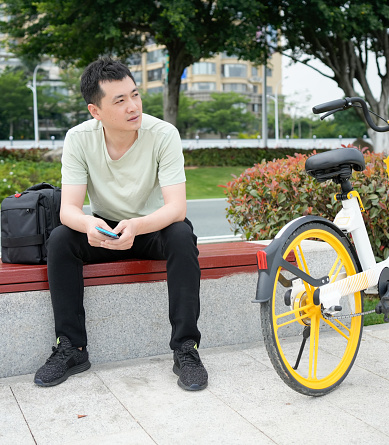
(68, 250)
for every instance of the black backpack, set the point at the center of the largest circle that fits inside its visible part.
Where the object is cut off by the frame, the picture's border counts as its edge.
(27, 220)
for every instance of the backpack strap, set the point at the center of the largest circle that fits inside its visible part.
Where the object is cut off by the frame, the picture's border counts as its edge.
(42, 185)
(22, 241)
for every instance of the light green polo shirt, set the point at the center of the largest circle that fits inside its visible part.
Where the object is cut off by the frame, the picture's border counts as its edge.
(129, 187)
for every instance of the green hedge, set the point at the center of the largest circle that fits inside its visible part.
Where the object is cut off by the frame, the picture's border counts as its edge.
(19, 169)
(223, 157)
(267, 196)
(33, 154)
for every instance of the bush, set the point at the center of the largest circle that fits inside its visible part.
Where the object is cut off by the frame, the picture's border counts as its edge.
(18, 175)
(32, 154)
(267, 196)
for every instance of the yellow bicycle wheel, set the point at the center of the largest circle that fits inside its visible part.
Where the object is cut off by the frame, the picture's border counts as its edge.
(313, 351)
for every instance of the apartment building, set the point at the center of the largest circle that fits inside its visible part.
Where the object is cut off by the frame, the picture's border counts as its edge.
(222, 73)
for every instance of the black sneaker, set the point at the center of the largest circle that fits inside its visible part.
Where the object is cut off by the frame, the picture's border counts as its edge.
(188, 366)
(65, 361)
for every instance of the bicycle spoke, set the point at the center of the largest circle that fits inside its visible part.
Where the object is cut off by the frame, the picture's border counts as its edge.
(314, 346)
(302, 265)
(333, 276)
(297, 315)
(335, 328)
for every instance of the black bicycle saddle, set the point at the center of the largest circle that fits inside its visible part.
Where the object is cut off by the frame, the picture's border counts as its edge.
(335, 164)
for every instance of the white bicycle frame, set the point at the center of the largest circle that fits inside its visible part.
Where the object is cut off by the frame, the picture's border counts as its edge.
(350, 220)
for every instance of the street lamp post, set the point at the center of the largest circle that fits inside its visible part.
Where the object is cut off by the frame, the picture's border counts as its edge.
(275, 98)
(264, 106)
(35, 105)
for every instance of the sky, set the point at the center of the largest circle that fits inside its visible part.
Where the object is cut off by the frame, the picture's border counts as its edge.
(305, 88)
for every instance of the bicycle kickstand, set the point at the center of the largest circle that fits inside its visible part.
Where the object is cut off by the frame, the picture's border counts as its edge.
(306, 334)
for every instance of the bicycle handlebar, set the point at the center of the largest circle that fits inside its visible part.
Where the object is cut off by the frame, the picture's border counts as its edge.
(343, 104)
(330, 106)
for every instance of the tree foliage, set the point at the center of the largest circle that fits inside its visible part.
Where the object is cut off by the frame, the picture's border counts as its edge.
(224, 114)
(80, 31)
(72, 105)
(15, 105)
(346, 36)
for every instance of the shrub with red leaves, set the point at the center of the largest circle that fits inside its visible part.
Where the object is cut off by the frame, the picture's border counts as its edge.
(267, 196)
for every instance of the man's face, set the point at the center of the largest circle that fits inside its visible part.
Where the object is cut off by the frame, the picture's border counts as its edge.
(121, 107)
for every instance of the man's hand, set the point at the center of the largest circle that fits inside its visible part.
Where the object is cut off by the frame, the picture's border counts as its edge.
(127, 230)
(96, 238)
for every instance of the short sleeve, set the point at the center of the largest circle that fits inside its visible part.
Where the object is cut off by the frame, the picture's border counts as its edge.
(171, 159)
(74, 167)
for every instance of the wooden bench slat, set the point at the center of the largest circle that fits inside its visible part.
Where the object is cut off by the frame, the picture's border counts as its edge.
(216, 261)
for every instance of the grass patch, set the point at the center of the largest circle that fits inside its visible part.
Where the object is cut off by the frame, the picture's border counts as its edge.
(17, 175)
(370, 303)
(203, 183)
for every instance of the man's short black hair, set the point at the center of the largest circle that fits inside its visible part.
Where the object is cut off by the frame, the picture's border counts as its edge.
(101, 70)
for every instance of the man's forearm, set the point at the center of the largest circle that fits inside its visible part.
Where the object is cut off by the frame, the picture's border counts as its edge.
(75, 218)
(161, 218)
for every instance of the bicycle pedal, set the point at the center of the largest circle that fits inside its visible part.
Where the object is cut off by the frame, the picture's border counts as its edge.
(332, 310)
(383, 290)
(382, 309)
(378, 309)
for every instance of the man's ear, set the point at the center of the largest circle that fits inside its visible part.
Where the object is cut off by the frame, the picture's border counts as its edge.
(94, 111)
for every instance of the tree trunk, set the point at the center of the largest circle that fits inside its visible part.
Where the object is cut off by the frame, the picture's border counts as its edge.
(380, 141)
(171, 100)
(178, 61)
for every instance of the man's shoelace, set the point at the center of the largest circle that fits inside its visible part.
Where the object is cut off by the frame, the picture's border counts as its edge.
(190, 358)
(60, 353)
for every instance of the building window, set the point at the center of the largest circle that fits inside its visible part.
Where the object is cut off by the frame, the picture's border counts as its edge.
(234, 70)
(154, 74)
(155, 90)
(157, 55)
(226, 56)
(137, 76)
(204, 68)
(254, 71)
(135, 59)
(204, 86)
(241, 106)
(236, 87)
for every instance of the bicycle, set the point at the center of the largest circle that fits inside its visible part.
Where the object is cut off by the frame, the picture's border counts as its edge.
(322, 302)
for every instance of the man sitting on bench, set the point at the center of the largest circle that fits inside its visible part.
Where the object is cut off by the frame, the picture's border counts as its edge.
(132, 167)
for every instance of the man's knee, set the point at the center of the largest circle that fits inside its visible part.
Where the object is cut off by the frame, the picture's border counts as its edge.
(179, 238)
(181, 231)
(60, 237)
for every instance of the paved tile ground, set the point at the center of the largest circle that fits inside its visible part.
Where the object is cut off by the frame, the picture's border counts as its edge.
(139, 402)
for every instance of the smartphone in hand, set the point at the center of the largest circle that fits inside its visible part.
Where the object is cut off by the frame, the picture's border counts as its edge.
(107, 233)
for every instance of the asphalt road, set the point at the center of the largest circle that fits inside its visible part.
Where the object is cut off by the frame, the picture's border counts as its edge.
(208, 217)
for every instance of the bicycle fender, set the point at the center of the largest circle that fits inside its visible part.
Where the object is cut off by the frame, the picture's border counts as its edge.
(271, 257)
